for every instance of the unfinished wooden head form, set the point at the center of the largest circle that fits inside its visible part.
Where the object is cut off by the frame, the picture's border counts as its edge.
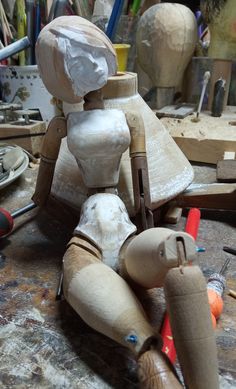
(74, 58)
(166, 38)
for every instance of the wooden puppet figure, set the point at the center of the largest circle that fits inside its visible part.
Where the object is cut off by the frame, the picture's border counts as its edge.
(75, 60)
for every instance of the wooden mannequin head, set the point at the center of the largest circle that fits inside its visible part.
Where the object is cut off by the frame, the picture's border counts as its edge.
(166, 39)
(74, 58)
(220, 15)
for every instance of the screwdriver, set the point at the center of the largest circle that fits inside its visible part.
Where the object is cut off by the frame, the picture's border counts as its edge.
(215, 289)
(6, 218)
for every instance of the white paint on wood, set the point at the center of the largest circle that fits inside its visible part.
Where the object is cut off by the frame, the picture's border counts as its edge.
(85, 65)
(169, 171)
(74, 57)
(97, 139)
(105, 220)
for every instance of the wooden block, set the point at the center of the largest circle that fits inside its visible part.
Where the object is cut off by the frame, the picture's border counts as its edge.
(29, 137)
(226, 170)
(232, 293)
(206, 140)
(208, 196)
(173, 214)
(175, 111)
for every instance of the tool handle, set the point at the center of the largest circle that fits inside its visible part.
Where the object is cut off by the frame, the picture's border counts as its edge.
(6, 222)
(6, 218)
(192, 222)
(215, 302)
(114, 19)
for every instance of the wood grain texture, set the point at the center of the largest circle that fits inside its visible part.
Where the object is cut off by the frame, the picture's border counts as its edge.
(93, 100)
(212, 196)
(166, 38)
(156, 372)
(173, 214)
(226, 171)
(169, 171)
(189, 312)
(137, 132)
(152, 253)
(49, 153)
(16, 134)
(206, 140)
(165, 182)
(137, 150)
(52, 345)
(103, 299)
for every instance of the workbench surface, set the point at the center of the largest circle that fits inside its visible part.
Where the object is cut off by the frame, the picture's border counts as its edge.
(44, 343)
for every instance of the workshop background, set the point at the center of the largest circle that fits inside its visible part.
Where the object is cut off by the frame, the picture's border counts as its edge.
(43, 341)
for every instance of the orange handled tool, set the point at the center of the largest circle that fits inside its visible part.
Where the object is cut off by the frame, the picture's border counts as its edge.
(215, 289)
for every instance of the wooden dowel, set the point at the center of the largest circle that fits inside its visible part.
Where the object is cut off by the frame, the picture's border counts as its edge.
(50, 150)
(156, 372)
(232, 293)
(191, 324)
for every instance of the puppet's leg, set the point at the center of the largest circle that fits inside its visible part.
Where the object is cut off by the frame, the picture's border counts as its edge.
(158, 257)
(106, 303)
(148, 257)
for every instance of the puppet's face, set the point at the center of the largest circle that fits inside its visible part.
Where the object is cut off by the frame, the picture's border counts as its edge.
(84, 65)
(74, 58)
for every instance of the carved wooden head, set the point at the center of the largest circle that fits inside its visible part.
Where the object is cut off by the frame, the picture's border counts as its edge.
(166, 39)
(74, 57)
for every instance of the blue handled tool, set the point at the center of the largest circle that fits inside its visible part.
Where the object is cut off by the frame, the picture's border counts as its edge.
(114, 19)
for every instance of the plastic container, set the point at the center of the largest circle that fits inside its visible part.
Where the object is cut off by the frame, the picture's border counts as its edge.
(122, 51)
